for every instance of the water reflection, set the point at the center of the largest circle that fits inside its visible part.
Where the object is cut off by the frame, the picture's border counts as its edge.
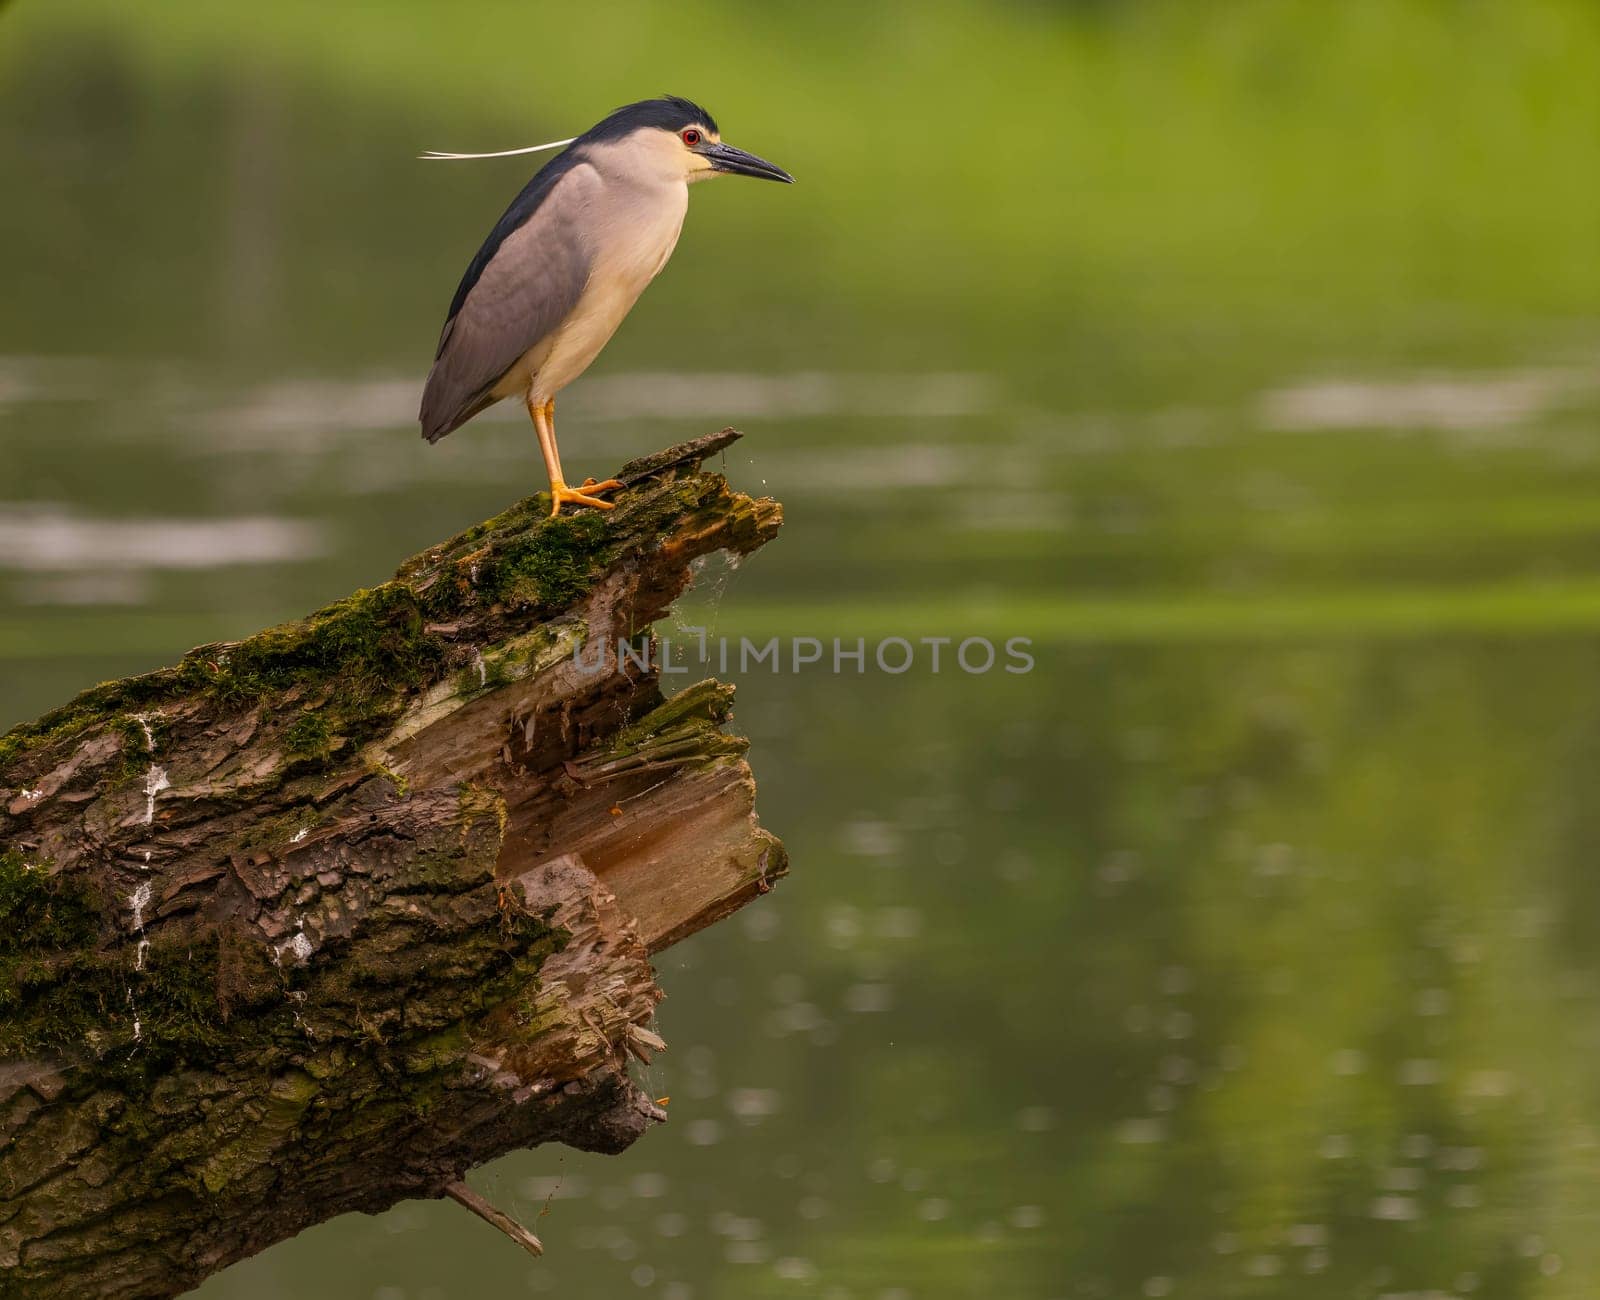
(1203, 973)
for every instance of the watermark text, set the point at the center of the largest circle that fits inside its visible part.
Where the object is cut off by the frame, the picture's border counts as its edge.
(974, 655)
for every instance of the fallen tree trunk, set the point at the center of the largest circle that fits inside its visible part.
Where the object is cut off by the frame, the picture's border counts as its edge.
(317, 921)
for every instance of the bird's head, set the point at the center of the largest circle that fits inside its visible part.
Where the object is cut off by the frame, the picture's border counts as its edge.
(675, 139)
(667, 139)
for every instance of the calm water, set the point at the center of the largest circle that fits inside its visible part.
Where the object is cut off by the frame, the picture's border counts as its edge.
(1245, 947)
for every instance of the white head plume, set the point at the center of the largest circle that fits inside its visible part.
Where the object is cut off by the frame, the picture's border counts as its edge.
(433, 155)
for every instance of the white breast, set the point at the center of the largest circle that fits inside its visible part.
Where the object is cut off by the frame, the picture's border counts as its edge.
(633, 228)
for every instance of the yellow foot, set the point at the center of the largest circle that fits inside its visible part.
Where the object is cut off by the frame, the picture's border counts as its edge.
(561, 494)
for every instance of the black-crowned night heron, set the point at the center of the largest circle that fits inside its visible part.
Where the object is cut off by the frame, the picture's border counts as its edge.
(567, 262)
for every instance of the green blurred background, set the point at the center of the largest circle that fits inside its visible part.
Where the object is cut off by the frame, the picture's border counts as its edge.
(1244, 355)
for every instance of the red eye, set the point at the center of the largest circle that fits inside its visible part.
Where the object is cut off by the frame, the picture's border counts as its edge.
(691, 137)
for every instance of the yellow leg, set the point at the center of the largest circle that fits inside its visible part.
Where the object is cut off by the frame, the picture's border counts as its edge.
(544, 424)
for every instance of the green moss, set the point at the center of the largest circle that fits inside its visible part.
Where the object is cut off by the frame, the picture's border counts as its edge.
(129, 696)
(308, 735)
(524, 515)
(327, 1064)
(219, 995)
(60, 988)
(89, 996)
(280, 1112)
(402, 787)
(361, 655)
(481, 805)
(536, 1015)
(363, 652)
(176, 997)
(539, 562)
(707, 702)
(450, 594)
(137, 747)
(59, 723)
(549, 566)
(41, 911)
(487, 674)
(361, 648)
(272, 832)
(359, 658)
(435, 1051)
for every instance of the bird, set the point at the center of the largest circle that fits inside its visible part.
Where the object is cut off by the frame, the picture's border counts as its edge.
(566, 263)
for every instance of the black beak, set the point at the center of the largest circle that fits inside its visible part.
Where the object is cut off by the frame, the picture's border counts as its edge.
(725, 158)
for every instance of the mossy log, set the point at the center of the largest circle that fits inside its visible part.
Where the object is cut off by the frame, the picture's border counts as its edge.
(317, 921)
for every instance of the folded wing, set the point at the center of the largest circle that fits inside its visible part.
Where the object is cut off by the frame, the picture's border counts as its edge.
(523, 283)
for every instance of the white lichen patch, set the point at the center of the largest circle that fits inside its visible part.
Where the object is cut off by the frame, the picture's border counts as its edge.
(298, 945)
(155, 781)
(137, 902)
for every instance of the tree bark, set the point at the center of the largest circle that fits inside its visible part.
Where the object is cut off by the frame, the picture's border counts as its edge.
(317, 921)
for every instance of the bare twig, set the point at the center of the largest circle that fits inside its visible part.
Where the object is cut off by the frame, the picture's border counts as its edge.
(460, 1193)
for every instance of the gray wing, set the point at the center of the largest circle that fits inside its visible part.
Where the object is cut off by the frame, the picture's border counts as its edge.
(525, 287)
